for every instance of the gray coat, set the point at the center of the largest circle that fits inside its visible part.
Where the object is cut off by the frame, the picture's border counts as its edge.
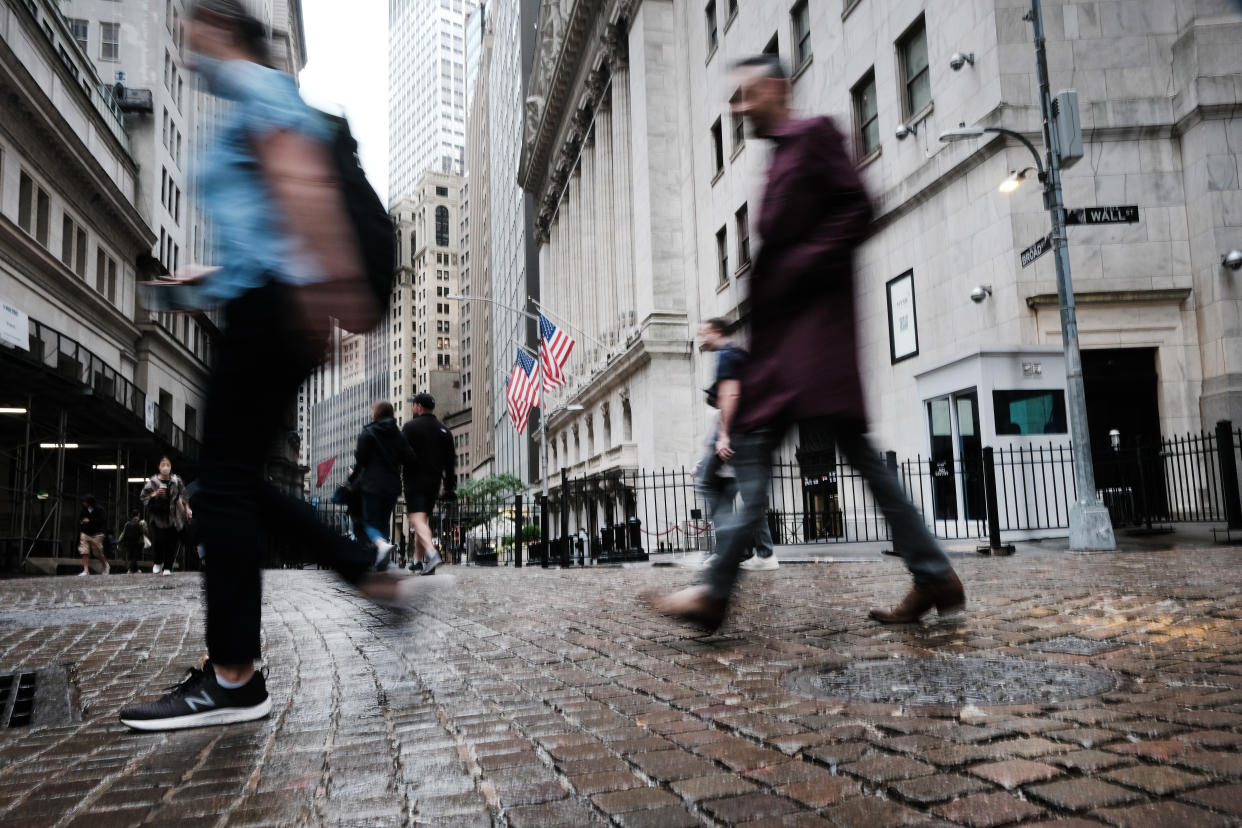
(177, 503)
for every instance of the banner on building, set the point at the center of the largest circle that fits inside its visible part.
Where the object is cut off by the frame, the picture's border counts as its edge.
(14, 326)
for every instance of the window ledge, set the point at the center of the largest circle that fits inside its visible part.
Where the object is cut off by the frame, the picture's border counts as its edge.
(802, 69)
(869, 159)
(737, 151)
(744, 269)
(721, 287)
(711, 53)
(849, 6)
(729, 22)
(922, 115)
(719, 174)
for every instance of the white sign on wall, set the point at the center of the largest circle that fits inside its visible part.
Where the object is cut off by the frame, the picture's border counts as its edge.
(14, 326)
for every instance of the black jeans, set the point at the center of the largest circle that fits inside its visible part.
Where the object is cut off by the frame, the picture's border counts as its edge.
(163, 545)
(377, 513)
(752, 460)
(260, 362)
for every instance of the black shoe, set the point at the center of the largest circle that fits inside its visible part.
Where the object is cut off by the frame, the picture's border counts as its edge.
(417, 566)
(433, 561)
(198, 701)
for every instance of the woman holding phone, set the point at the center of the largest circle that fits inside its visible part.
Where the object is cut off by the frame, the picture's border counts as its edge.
(164, 498)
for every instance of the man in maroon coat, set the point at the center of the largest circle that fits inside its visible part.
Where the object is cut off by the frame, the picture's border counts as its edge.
(804, 363)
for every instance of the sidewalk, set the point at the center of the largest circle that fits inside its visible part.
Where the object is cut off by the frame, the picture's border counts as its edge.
(543, 697)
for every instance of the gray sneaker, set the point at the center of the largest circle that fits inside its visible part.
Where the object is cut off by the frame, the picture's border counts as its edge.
(759, 564)
(431, 562)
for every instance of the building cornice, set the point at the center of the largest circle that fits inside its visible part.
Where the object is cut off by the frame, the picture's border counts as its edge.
(1159, 296)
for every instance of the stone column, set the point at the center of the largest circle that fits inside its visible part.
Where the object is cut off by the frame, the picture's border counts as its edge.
(623, 176)
(589, 277)
(610, 231)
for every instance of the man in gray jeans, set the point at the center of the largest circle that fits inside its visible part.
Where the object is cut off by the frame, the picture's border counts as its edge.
(714, 478)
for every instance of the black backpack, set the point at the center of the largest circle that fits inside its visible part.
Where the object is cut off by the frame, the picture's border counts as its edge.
(372, 225)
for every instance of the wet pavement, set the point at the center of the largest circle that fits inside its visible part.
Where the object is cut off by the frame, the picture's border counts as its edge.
(545, 697)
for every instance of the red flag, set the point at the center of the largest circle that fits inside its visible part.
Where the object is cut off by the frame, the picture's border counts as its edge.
(323, 470)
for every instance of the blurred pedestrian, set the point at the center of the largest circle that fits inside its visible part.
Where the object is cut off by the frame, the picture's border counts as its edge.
(714, 477)
(134, 538)
(434, 471)
(290, 263)
(164, 496)
(381, 457)
(803, 357)
(92, 527)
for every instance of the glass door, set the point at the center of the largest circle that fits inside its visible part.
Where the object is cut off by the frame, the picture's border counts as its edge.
(943, 484)
(971, 453)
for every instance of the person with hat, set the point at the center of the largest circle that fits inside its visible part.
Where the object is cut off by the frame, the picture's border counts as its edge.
(434, 471)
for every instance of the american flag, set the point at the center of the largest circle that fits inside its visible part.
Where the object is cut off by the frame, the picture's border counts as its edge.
(522, 389)
(554, 348)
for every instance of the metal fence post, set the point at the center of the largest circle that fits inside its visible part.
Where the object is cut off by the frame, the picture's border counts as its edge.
(543, 530)
(994, 547)
(517, 531)
(564, 517)
(1229, 473)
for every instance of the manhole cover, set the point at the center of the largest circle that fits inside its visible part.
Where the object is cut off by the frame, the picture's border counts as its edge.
(39, 697)
(953, 681)
(1073, 645)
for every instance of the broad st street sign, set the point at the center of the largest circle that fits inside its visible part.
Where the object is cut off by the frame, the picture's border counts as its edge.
(1126, 214)
(1036, 250)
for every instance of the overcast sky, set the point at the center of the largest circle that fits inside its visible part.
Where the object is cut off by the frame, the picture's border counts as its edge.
(347, 73)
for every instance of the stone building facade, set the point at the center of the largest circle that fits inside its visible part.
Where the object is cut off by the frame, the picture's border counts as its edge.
(648, 192)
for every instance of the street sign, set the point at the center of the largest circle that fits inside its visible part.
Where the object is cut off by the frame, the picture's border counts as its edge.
(1036, 250)
(1126, 214)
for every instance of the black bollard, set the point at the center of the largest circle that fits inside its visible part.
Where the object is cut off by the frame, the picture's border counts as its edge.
(1229, 473)
(543, 530)
(565, 559)
(994, 547)
(518, 540)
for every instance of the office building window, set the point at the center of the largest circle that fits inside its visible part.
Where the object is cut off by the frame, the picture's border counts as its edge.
(800, 15)
(43, 209)
(110, 41)
(730, 11)
(739, 132)
(743, 236)
(81, 32)
(916, 78)
(25, 202)
(722, 254)
(713, 37)
(717, 148)
(866, 115)
(442, 226)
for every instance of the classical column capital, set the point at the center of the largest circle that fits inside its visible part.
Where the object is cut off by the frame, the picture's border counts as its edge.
(616, 46)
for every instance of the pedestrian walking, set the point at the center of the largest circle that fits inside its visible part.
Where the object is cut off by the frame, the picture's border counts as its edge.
(433, 472)
(92, 527)
(381, 457)
(803, 357)
(168, 508)
(714, 476)
(290, 263)
(134, 539)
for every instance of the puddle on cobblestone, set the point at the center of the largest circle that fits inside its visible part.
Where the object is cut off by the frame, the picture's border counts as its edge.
(104, 613)
(980, 681)
(1073, 645)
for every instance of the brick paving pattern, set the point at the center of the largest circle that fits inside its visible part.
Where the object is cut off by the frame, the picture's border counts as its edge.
(547, 698)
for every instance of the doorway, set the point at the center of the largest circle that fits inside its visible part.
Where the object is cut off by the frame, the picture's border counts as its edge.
(956, 456)
(1123, 396)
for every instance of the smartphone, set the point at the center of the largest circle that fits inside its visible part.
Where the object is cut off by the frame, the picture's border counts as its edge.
(171, 297)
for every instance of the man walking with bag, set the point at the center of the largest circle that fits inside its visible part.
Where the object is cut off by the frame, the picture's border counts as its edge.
(435, 469)
(803, 356)
(291, 261)
(381, 457)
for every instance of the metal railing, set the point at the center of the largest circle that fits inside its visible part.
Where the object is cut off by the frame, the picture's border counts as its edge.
(66, 357)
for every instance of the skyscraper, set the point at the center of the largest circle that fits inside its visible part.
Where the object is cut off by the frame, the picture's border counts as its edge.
(427, 91)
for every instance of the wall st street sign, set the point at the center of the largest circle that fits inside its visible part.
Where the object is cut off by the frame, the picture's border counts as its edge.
(1125, 214)
(1036, 250)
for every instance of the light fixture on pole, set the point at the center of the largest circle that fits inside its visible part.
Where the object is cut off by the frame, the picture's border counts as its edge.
(107, 467)
(58, 445)
(1091, 526)
(1014, 181)
(12, 411)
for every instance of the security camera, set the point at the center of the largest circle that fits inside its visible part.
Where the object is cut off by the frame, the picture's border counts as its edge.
(980, 293)
(958, 60)
(904, 130)
(1233, 260)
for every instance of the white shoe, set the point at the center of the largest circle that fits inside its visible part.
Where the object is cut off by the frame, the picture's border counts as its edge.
(167, 571)
(383, 552)
(155, 570)
(84, 572)
(107, 569)
(758, 564)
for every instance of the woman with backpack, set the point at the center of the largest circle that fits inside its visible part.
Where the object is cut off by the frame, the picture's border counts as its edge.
(167, 507)
(283, 199)
(134, 538)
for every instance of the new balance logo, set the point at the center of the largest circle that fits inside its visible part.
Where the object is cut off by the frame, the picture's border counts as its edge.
(201, 700)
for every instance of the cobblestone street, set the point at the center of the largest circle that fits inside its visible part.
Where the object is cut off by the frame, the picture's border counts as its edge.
(544, 697)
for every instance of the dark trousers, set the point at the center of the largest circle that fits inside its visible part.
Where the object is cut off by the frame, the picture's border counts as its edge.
(377, 512)
(260, 361)
(752, 460)
(132, 551)
(163, 545)
(719, 492)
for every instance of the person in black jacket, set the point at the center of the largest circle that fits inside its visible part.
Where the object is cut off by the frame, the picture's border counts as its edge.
(381, 457)
(93, 527)
(436, 466)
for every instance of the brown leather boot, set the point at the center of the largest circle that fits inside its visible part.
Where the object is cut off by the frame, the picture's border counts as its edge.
(946, 596)
(693, 605)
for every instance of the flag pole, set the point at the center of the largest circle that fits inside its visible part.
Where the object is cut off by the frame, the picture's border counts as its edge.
(543, 309)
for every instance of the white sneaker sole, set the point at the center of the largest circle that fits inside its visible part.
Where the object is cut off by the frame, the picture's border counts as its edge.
(227, 715)
(749, 567)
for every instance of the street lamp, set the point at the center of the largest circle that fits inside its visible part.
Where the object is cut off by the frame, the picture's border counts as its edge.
(1014, 181)
(1090, 524)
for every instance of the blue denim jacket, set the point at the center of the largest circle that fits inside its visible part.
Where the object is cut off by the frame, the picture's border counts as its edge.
(250, 245)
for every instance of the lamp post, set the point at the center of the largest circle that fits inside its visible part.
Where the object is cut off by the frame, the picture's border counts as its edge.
(1090, 524)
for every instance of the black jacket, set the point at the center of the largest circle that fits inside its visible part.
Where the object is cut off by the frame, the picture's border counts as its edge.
(96, 521)
(381, 457)
(437, 456)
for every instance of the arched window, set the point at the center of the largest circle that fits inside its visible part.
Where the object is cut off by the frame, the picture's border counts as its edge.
(413, 245)
(442, 231)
